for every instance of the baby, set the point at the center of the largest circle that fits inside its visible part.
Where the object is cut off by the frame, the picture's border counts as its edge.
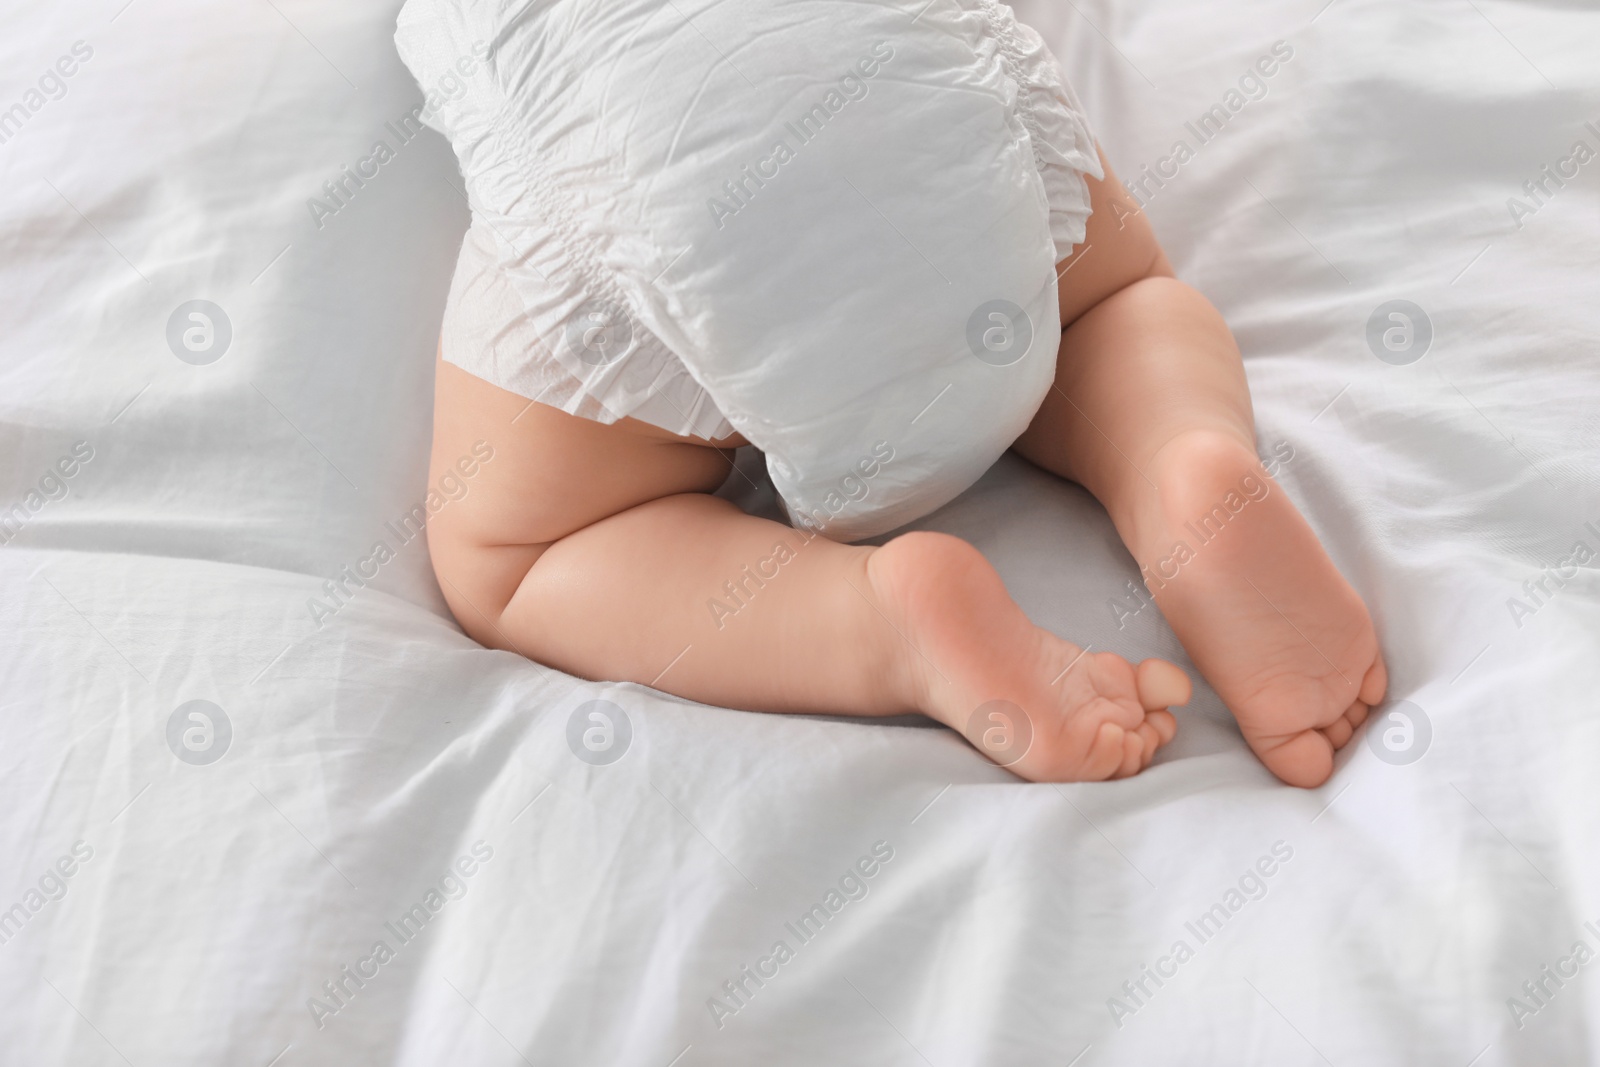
(876, 241)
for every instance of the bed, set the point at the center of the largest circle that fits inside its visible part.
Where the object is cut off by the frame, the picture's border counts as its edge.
(264, 804)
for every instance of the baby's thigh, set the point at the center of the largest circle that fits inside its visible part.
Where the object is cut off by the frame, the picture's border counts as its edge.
(538, 474)
(1119, 248)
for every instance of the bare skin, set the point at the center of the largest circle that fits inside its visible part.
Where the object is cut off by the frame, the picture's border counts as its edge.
(595, 549)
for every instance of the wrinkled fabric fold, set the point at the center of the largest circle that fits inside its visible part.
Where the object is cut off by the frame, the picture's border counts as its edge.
(1058, 131)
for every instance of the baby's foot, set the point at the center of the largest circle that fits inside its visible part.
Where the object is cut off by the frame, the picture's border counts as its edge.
(1035, 703)
(1260, 608)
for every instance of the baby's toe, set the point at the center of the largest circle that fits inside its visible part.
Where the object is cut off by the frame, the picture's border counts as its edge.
(1304, 760)
(1162, 685)
(1374, 683)
(1164, 723)
(1108, 754)
(1157, 729)
(1339, 731)
(1149, 741)
(1135, 753)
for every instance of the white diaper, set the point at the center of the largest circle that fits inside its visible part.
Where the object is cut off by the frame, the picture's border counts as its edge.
(829, 225)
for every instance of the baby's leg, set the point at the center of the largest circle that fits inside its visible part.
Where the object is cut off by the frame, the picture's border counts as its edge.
(1151, 413)
(596, 549)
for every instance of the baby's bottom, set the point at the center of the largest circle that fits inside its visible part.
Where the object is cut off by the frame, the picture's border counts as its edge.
(598, 550)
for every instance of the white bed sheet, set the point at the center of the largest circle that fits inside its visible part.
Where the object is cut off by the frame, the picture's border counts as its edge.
(208, 904)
